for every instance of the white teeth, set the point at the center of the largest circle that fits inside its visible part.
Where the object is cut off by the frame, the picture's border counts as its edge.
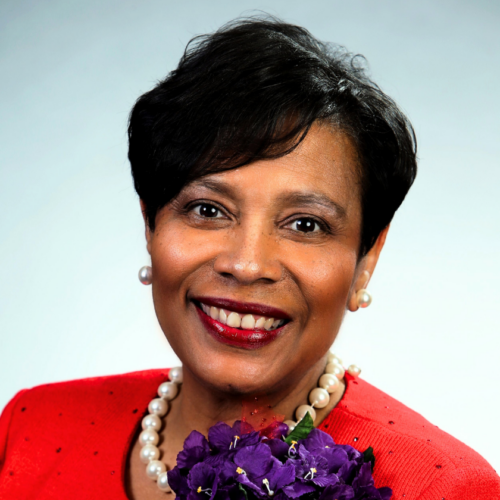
(234, 320)
(223, 317)
(269, 323)
(259, 324)
(245, 321)
(248, 322)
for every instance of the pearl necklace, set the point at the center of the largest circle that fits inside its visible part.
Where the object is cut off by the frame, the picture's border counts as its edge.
(319, 398)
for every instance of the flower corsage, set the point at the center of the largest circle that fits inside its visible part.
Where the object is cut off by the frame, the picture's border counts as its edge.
(239, 463)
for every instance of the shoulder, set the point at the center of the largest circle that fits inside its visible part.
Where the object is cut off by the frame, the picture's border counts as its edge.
(87, 422)
(414, 457)
(84, 393)
(76, 404)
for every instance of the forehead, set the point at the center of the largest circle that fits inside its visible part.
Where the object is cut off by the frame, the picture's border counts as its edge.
(326, 155)
(325, 165)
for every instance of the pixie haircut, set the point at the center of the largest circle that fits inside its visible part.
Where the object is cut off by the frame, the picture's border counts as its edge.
(251, 91)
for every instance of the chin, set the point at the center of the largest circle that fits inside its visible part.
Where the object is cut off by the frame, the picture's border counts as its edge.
(234, 374)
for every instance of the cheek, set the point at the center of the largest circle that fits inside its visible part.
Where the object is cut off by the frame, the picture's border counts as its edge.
(178, 259)
(179, 256)
(176, 253)
(170, 259)
(325, 277)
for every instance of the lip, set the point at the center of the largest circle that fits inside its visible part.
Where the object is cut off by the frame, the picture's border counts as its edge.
(246, 339)
(243, 307)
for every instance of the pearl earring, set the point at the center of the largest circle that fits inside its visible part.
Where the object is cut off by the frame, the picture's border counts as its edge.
(364, 298)
(146, 275)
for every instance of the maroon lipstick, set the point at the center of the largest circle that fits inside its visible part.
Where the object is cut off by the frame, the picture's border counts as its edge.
(246, 339)
(244, 307)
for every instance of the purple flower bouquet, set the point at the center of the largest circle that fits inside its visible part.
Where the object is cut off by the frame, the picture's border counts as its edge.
(239, 463)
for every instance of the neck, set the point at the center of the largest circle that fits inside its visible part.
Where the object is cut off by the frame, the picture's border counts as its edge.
(198, 407)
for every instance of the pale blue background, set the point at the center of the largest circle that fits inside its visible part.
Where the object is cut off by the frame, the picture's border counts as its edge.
(71, 239)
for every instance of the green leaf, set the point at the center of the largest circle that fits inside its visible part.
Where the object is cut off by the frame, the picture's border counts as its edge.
(369, 456)
(243, 490)
(302, 429)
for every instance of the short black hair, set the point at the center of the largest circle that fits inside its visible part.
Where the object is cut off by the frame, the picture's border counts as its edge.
(252, 90)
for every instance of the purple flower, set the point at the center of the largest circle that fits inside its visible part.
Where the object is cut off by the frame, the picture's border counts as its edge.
(349, 470)
(202, 481)
(314, 469)
(385, 493)
(178, 482)
(278, 448)
(225, 439)
(338, 492)
(364, 487)
(336, 458)
(322, 444)
(274, 431)
(318, 440)
(262, 473)
(298, 489)
(238, 463)
(352, 453)
(364, 477)
(196, 449)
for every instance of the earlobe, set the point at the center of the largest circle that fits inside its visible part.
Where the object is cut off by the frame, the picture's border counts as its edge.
(360, 297)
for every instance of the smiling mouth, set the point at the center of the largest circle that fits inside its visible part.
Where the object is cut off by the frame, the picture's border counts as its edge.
(241, 321)
(244, 325)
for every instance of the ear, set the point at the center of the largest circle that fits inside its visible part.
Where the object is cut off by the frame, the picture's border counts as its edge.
(365, 269)
(149, 234)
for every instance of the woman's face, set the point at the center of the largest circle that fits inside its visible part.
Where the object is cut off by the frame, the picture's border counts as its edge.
(272, 242)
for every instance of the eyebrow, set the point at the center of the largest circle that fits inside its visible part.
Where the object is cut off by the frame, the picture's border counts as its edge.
(217, 186)
(290, 198)
(298, 198)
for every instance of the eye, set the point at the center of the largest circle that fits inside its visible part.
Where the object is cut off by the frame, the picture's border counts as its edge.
(207, 210)
(305, 225)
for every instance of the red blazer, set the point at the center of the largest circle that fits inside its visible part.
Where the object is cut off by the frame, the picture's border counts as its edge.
(70, 441)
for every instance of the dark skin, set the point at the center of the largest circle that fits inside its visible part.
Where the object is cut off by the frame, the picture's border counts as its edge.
(254, 248)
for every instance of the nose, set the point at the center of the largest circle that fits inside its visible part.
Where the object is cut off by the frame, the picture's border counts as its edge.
(250, 255)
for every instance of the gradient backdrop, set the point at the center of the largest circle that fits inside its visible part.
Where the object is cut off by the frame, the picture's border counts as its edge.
(71, 239)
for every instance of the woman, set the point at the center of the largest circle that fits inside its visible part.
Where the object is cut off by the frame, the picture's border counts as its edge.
(269, 168)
